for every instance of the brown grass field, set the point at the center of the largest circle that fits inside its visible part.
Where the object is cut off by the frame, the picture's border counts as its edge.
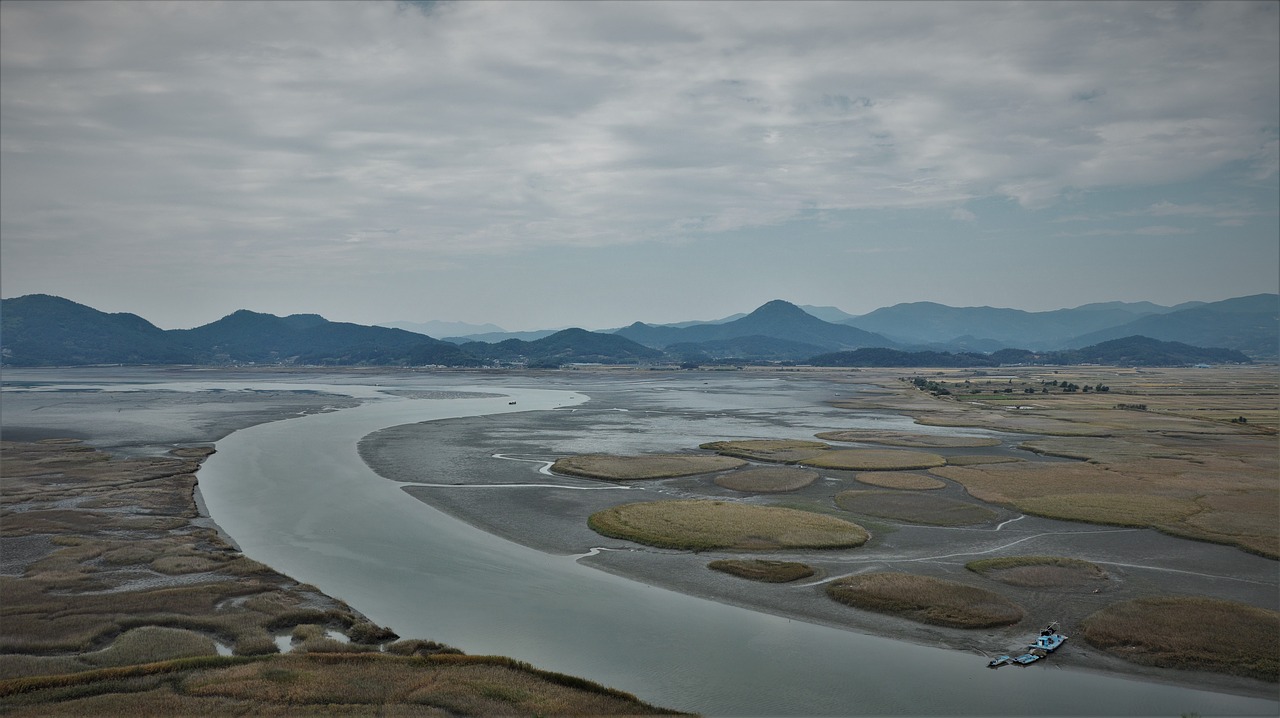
(652, 466)
(767, 480)
(318, 685)
(874, 460)
(1041, 572)
(699, 525)
(900, 480)
(1179, 465)
(1190, 633)
(911, 441)
(913, 507)
(925, 599)
(779, 451)
(122, 597)
(762, 570)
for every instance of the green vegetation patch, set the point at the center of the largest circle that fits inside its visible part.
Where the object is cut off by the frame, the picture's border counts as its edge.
(764, 570)
(874, 460)
(912, 441)
(779, 451)
(704, 524)
(650, 466)
(767, 479)
(900, 480)
(914, 508)
(1190, 633)
(926, 600)
(1040, 571)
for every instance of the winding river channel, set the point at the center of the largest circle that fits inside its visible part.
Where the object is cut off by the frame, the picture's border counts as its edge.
(295, 494)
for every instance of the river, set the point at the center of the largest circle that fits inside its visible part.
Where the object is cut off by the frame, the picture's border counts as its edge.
(294, 494)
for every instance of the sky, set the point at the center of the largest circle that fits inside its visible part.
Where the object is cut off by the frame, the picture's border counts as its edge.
(542, 164)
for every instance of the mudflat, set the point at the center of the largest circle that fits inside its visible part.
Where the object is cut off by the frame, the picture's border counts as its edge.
(1143, 493)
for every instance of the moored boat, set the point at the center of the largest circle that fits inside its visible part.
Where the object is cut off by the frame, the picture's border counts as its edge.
(1047, 642)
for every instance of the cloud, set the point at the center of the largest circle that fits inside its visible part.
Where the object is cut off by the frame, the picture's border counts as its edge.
(487, 128)
(960, 214)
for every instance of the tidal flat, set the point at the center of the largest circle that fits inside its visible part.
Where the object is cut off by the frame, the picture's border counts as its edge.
(493, 472)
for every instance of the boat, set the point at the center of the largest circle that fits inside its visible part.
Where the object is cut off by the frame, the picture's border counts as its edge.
(1047, 642)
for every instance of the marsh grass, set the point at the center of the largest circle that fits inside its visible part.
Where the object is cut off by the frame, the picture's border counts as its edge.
(913, 441)
(900, 480)
(699, 525)
(914, 508)
(778, 451)
(102, 593)
(651, 466)
(1190, 633)
(77, 638)
(763, 570)
(765, 480)
(874, 460)
(1040, 571)
(926, 600)
(976, 459)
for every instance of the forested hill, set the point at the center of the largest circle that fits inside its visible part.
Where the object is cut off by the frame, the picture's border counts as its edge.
(1127, 351)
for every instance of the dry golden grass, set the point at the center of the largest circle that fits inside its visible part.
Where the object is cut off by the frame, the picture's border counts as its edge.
(913, 441)
(767, 480)
(874, 460)
(780, 451)
(1040, 571)
(900, 480)
(762, 570)
(651, 466)
(926, 599)
(1190, 633)
(704, 524)
(913, 508)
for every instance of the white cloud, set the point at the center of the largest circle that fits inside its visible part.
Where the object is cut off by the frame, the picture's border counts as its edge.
(488, 127)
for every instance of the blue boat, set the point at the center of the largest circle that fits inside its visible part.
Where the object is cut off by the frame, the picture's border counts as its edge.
(1047, 642)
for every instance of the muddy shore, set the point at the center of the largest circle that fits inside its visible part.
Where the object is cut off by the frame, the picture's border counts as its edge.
(1139, 562)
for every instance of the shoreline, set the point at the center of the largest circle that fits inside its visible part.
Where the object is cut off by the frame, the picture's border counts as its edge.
(891, 628)
(685, 572)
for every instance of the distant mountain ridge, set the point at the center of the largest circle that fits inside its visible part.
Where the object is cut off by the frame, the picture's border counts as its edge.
(776, 319)
(42, 330)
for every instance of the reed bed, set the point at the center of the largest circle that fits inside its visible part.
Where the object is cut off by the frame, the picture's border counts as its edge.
(976, 459)
(913, 508)
(926, 600)
(874, 460)
(765, 480)
(319, 684)
(763, 570)
(778, 451)
(650, 466)
(900, 480)
(1040, 571)
(911, 441)
(699, 525)
(1190, 633)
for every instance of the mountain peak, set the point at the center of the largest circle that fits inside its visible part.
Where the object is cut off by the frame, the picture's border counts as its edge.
(778, 308)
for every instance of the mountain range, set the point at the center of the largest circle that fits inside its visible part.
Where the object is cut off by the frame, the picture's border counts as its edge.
(43, 330)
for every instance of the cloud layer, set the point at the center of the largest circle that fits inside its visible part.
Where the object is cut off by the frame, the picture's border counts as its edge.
(360, 133)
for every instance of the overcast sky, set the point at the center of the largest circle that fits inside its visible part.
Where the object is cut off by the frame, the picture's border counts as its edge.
(542, 165)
